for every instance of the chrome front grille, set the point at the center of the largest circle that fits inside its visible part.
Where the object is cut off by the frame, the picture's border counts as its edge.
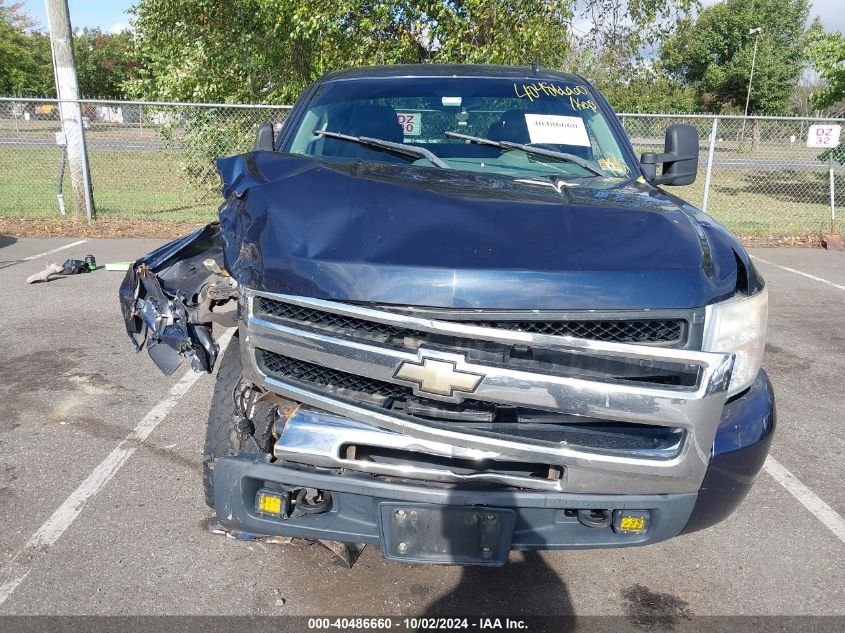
(617, 330)
(613, 416)
(328, 378)
(320, 318)
(541, 426)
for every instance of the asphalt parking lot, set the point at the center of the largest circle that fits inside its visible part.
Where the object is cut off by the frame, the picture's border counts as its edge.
(101, 508)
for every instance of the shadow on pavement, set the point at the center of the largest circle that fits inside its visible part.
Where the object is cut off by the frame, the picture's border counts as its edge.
(526, 586)
(522, 588)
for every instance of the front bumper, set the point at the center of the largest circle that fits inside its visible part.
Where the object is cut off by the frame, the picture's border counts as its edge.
(544, 520)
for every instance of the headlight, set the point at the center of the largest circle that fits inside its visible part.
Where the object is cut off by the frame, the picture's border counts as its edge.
(738, 325)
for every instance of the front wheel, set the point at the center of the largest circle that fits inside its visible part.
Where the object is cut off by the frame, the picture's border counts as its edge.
(229, 431)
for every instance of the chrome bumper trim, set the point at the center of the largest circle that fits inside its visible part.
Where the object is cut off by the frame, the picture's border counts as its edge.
(320, 439)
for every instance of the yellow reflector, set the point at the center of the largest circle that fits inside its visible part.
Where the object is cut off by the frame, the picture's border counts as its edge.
(269, 503)
(632, 524)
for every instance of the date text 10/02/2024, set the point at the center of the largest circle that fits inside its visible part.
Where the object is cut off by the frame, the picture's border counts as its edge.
(417, 624)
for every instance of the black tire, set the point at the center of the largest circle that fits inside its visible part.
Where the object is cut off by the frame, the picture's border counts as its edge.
(222, 437)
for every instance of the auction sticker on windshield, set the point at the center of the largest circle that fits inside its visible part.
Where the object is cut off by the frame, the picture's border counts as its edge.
(557, 130)
(411, 122)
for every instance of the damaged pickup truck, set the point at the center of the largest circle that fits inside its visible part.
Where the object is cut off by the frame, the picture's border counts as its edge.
(468, 321)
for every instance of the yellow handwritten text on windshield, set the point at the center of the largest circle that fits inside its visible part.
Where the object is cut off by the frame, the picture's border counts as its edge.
(582, 104)
(539, 89)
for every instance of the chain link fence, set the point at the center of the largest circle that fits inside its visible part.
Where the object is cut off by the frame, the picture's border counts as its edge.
(155, 161)
(148, 161)
(756, 174)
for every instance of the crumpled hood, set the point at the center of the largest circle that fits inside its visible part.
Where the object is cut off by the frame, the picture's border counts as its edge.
(400, 234)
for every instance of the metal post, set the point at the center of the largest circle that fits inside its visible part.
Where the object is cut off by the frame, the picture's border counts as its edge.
(832, 196)
(756, 33)
(86, 178)
(710, 152)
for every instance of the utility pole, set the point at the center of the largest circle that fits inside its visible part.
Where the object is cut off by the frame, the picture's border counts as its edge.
(67, 90)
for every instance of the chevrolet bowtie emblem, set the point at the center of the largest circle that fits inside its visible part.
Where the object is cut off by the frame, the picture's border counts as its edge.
(438, 377)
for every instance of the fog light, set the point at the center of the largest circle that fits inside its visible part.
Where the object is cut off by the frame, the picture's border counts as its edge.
(631, 521)
(271, 502)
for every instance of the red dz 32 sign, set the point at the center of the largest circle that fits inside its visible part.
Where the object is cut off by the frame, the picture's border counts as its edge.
(823, 136)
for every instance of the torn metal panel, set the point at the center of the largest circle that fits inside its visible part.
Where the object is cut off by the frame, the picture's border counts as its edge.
(168, 299)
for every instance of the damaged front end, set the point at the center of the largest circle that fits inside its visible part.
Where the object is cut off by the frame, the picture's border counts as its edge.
(410, 366)
(171, 297)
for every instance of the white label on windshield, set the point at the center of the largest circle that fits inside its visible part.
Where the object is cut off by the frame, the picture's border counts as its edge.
(557, 130)
(411, 122)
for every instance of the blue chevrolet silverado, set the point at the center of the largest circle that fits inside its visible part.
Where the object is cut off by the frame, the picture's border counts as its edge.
(469, 320)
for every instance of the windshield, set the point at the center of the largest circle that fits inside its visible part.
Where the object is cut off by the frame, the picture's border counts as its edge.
(557, 116)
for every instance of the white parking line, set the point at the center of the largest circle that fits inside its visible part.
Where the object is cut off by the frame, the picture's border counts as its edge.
(55, 250)
(810, 500)
(31, 257)
(52, 529)
(798, 272)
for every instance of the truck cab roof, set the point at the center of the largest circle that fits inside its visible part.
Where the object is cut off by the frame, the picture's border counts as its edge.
(491, 71)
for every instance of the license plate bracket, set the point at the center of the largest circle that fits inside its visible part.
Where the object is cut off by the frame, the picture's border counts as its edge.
(458, 535)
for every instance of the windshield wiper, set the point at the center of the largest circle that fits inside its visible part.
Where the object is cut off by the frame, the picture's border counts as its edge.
(539, 151)
(388, 146)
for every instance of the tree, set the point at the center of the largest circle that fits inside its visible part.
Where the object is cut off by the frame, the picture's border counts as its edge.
(714, 54)
(263, 50)
(23, 55)
(649, 90)
(617, 51)
(105, 62)
(826, 52)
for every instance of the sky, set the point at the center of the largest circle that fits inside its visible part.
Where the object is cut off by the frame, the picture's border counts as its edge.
(110, 15)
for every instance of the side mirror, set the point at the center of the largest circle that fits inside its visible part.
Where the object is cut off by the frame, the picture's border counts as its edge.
(264, 141)
(680, 157)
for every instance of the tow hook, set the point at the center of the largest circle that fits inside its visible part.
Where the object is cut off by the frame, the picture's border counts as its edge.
(595, 518)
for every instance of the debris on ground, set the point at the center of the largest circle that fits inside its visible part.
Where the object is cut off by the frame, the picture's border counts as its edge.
(833, 242)
(70, 267)
(347, 553)
(52, 269)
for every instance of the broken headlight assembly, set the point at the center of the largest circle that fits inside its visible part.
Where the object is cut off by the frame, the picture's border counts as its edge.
(738, 325)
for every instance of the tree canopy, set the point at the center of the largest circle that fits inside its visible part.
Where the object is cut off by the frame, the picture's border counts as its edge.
(646, 55)
(826, 51)
(262, 50)
(104, 61)
(714, 52)
(20, 62)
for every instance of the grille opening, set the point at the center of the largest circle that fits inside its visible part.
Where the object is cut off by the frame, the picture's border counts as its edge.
(637, 330)
(459, 466)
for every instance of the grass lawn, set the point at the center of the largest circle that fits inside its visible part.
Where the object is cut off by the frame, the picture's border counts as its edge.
(127, 185)
(149, 185)
(760, 203)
